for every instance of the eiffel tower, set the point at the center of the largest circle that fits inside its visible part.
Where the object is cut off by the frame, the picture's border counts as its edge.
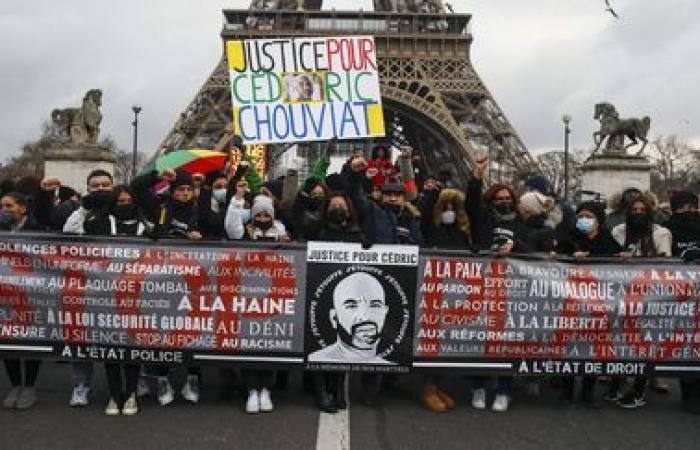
(433, 98)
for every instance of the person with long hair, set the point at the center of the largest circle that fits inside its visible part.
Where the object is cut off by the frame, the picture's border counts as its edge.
(15, 218)
(640, 237)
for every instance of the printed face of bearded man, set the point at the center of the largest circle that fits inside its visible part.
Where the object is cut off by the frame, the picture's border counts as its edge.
(359, 310)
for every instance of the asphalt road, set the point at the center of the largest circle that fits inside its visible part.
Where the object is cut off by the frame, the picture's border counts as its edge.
(400, 422)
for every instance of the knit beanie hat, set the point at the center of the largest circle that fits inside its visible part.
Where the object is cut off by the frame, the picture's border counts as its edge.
(535, 203)
(263, 203)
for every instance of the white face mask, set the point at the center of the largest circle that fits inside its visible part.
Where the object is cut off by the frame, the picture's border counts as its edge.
(220, 195)
(449, 217)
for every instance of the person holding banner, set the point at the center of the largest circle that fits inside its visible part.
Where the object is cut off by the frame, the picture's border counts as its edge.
(92, 218)
(391, 221)
(445, 226)
(497, 227)
(262, 226)
(591, 239)
(640, 237)
(171, 213)
(338, 224)
(15, 218)
(684, 225)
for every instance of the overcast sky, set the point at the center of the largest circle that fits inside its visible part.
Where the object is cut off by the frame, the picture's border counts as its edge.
(539, 58)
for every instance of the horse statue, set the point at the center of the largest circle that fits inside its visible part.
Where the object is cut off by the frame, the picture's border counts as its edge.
(615, 129)
(81, 125)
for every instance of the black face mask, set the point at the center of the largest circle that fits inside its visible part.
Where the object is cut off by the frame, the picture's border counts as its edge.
(98, 199)
(504, 208)
(638, 221)
(314, 203)
(338, 216)
(264, 226)
(124, 212)
(179, 208)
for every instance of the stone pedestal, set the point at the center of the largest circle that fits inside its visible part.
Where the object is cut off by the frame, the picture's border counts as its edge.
(610, 174)
(73, 164)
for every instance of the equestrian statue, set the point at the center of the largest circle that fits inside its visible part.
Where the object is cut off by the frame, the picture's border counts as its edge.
(615, 130)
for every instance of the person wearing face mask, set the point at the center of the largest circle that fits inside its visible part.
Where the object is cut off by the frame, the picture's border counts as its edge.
(94, 215)
(92, 218)
(448, 223)
(496, 227)
(15, 218)
(393, 220)
(494, 218)
(389, 221)
(123, 396)
(261, 227)
(126, 213)
(212, 204)
(591, 239)
(640, 237)
(684, 224)
(445, 225)
(338, 224)
(170, 212)
(307, 209)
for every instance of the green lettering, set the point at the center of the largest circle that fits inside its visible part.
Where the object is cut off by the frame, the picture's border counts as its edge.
(332, 85)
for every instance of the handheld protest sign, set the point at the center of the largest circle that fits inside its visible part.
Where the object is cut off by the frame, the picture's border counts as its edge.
(306, 89)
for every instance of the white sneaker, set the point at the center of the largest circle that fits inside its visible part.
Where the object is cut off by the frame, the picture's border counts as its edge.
(500, 403)
(130, 406)
(166, 394)
(80, 396)
(479, 399)
(265, 401)
(142, 389)
(190, 391)
(252, 406)
(112, 409)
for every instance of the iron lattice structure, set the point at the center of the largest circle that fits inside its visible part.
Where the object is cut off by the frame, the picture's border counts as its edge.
(433, 98)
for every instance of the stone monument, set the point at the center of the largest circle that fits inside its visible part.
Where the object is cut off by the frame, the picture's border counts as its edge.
(77, 153)
(614, 169)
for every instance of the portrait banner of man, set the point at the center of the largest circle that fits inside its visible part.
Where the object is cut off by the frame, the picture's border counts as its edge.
(360, 307)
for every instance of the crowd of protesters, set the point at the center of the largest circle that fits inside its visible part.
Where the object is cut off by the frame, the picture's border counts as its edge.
(386, 199)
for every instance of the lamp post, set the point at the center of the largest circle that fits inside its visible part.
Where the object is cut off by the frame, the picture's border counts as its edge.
(136, 109)
(567, 131)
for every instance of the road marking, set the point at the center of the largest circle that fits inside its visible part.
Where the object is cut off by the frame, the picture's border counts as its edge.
(26, 348)
(677, 369)
(247, 358)
(474, 365)
(334, 429)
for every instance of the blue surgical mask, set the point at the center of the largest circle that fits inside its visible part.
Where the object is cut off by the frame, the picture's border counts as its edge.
(245, 214)
(585, 224)
(220, 195)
